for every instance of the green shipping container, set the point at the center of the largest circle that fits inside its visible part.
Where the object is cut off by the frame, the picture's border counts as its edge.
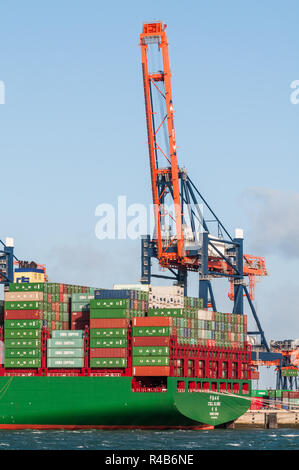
(259, 393)
(110, 313)
(65, 362)
(151, 331)
(289, 372)
(66, 343)
(80, 306)
(26, 352)
(108, 342)
(110, 303)
(62, 334)
(150, 351)
(106, 362)
(152, 312)
(150, 361)
(22, 363)
(22, 324)
(78, 298)
(108, 333)
(22, 343)
(24, 305)
(65, 353)
(30, 334)
(26, 286)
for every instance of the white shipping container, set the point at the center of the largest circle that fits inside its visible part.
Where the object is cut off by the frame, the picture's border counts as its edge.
(142, 287)
(23, 296)
(204, 315)
(167, 290)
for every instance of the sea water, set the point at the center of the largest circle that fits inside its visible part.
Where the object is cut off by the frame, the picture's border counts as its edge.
(221, 439)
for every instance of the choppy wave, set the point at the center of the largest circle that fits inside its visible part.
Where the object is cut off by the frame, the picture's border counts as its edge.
(219, 439)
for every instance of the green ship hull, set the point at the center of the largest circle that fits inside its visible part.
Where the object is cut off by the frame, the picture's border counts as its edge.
(110, 402)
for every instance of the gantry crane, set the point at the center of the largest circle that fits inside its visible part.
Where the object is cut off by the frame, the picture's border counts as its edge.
(6, 261)
(183, 238)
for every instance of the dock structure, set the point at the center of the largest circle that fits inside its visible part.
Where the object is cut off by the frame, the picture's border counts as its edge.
(268, 419)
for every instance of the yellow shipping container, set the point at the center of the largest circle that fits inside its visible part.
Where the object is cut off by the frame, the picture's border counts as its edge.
(28, 276)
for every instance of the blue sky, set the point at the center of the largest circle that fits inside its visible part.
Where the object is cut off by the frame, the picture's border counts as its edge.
(73, 135)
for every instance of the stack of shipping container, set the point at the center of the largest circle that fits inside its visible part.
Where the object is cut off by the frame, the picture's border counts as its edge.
(22, 329)
(155, 313)
(278, 399)
(65, 349)
(27, 308)
(110, 315)
(53, 301)
(80, 310)
(150, 340)
(204, 328)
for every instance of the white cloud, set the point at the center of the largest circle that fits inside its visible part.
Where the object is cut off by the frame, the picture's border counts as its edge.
(273, 222)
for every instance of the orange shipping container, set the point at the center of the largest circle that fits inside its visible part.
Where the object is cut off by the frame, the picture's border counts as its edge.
(23, 314)
(140, 341)
(152, 321)
(109, 322)
(108, 352)
(151, 371)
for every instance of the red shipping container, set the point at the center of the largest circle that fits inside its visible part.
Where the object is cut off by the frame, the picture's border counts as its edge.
(151, 371)
(61, 297)
(49, 298)
(140, 341)
(65, 325)
(79, 315)
(109, 322)
(23, 314)
(152, 321)
(108, 352)
(53, 325)
(79, 325)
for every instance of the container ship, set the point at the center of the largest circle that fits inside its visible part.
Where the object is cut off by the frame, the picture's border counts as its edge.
(149, 357)
(142, 355)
